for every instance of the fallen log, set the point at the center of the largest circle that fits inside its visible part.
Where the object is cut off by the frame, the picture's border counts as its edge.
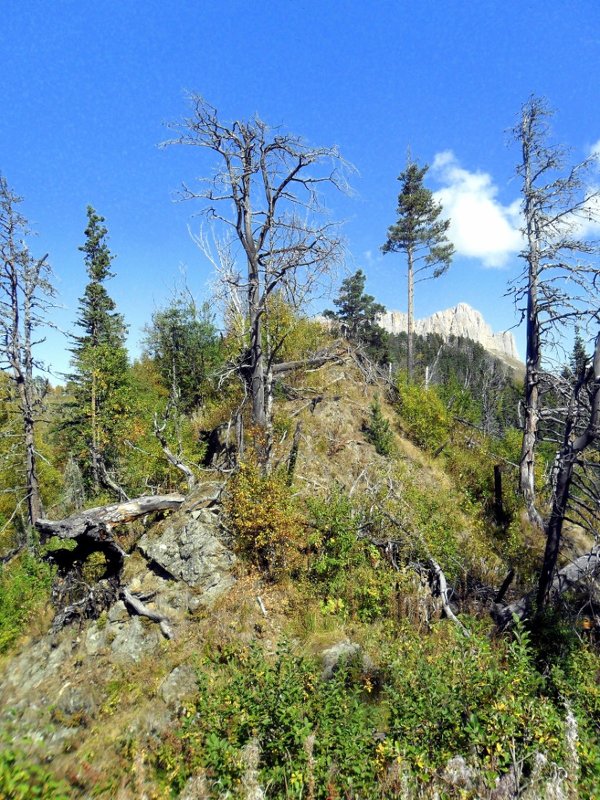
(318, 360)
(135, 604)
(104, 517)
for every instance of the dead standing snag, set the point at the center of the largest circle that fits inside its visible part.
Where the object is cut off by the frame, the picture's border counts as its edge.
(264, 201)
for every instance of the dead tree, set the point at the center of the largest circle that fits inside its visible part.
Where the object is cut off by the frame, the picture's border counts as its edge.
(264, 198)
(559, 282)
(159, 431)
(575, 443)
(570, 498)
(25, 297)
(93, 532)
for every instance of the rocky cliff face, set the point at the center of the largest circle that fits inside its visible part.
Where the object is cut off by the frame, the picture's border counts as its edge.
(462, 320)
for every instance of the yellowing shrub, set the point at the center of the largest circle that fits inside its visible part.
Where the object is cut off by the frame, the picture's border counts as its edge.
(264, 519)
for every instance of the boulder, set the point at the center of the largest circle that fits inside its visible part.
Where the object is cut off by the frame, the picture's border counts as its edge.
(192, 551)
(134, 639)
(179, 684)
(344, 652)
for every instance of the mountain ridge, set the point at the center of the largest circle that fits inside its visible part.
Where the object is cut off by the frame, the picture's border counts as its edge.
(460, 320)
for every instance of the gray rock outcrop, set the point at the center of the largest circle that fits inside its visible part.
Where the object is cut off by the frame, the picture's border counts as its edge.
(188, 548)
(462, 320)
(179, 685)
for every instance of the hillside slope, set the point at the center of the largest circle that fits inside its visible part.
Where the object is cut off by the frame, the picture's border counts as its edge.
(250, 697)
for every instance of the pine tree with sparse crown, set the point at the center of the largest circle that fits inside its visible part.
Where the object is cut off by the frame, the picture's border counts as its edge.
(420, 232)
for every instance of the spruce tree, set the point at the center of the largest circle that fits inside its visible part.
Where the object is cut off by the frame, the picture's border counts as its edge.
(100, 378)
(579, 358)
(421, 234)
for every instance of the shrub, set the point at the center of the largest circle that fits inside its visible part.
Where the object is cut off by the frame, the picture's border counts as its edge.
(349, 573)
(356, 735)
(423, 415)
(315, 738)
(266, 523)
(24, 588)
(378, 431)
(20, 779)
(447, 698)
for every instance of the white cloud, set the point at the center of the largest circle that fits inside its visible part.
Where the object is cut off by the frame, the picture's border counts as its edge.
(481, 227)
(586, 222)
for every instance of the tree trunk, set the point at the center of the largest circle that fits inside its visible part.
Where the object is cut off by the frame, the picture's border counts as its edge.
(94, 424)
(550, 581)
(32, 486)
(533, 355)
(268, 416)
(555, 524)
(409, 328)
(566, 461)
(256, 371)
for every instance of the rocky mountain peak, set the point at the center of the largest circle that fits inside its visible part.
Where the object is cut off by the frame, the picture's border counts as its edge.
(461, 320)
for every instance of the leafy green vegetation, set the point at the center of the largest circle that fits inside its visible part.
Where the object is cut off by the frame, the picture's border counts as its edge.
(183, 343)
(99, 382)
(424, 414)
(367, 731)
(357, 316)
(265, 520)
(20, 779)
(24, 590)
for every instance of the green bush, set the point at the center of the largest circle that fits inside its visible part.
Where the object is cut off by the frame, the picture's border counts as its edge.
(423, 415)
(24, 589)
(378, 430)
(575, 680)
(348, 572)
(433, 523)
(366, 733)
(310, 733)
(20, 779)
(447, 696)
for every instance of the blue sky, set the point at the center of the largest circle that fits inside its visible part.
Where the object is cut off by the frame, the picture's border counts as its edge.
(88, 86)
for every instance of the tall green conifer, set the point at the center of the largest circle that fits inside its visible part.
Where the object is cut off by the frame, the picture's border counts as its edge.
(421, 234)
(100, 379)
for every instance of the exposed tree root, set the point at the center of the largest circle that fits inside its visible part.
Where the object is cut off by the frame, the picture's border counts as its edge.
(92, 531)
